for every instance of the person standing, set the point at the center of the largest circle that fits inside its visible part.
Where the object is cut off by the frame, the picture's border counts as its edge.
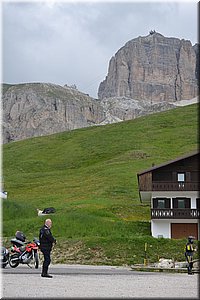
(46, 243)
(189, 252)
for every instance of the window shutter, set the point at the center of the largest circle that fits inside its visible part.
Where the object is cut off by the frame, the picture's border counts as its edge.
(198, 203)
(187, 203)
(155, 203)
(175, 203)
(167, 203)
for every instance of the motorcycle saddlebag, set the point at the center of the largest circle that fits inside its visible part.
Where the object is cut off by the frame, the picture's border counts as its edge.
(20, 236)
(17, 242)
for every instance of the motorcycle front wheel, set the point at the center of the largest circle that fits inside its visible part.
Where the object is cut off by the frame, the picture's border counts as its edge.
(13, 260)
(4, 264)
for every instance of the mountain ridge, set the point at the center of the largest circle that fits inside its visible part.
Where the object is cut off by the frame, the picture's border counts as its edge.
(149, 74)
(37, 109)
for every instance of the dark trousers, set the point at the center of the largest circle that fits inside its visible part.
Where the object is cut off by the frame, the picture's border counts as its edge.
(47, 260)
(189, 258)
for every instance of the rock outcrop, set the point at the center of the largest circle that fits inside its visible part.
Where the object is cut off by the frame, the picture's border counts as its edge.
(38, 109)
(123, 108)
(153, 68)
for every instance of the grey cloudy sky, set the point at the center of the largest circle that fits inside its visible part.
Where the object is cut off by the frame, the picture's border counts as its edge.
(69, 42)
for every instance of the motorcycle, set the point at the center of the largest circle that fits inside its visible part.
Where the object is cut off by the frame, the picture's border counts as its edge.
(24, 252)
(4, 256)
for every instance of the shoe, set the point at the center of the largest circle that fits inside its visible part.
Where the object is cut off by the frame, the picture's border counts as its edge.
(46, 275)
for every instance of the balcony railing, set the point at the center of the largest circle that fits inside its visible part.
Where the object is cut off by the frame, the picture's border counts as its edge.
(175, 186)
(157, 213)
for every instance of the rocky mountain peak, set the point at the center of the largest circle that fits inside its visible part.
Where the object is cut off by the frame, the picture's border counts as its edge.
(153, 68)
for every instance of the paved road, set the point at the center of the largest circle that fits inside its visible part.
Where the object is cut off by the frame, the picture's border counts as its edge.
(82, 281)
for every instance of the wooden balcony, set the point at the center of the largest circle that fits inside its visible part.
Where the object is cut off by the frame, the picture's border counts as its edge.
(184, 213)
(175, 186)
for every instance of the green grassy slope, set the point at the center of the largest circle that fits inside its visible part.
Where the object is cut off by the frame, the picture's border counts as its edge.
(90, 176)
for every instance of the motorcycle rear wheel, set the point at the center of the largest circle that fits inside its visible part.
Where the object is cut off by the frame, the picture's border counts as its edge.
(36, 260)
(12, 262)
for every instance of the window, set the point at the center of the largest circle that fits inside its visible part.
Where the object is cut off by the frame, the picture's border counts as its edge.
(181, 180)
(181, 177)
(180, 203)
(161, 203)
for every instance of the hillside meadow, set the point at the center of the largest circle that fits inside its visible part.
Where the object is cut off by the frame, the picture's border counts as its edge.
(89, 176)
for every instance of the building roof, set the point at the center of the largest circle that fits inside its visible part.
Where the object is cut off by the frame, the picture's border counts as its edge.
(169, 162)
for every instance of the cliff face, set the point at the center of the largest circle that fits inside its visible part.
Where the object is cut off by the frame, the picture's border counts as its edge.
(39, 109)
(153, 68)
(35, 109)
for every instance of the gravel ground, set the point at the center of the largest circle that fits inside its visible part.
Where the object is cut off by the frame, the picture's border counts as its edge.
(99, 282)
